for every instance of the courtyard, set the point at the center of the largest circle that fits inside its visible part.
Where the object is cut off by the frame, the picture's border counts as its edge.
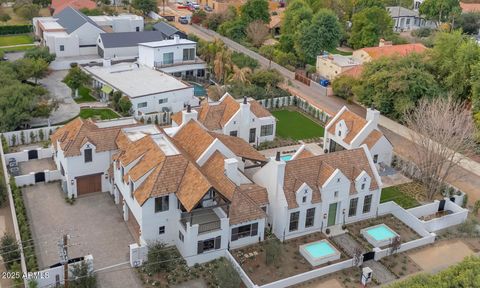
(294, 125)
(95, 226)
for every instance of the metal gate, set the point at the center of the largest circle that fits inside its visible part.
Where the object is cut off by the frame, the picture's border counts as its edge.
(39, 177)
(441, 206)
(32, 154)
(368, 256)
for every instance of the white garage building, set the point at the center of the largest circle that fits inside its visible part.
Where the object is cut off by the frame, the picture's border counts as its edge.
(124, 44)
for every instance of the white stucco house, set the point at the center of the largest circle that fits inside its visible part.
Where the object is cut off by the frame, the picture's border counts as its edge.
(311, 193)
(347, 130)
(124, 44)
(150, 91)
(242, 118)
(183, 186)
(174, 56)
(72, 33)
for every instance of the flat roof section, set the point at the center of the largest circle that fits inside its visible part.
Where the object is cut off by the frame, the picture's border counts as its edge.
(135, 80)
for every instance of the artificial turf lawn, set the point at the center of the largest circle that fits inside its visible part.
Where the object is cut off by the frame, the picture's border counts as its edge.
(395, 194)
(294, 125)
(103, 114)
(15, 40)
(84, 95)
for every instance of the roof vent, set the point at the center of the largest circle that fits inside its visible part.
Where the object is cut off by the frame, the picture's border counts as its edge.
(277, 157)
(244, 99)
(189, 108)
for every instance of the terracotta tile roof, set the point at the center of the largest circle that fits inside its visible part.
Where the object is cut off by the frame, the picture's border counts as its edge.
(76, 133)
(316, 170)
(244, 209)
(304, 154)
(177, 118)
(255, 192)
(239, 147)
(59, 5)
(214, 170)
(354, 124)
(470, 7)
(372, 138)
(388, 51)
(258, 110)
(193, 187)
(193, 139)
(354, 72)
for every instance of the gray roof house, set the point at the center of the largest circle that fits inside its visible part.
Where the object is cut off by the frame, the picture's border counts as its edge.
(124, 44)
(72, 19)
(406, 19)
(168, 30)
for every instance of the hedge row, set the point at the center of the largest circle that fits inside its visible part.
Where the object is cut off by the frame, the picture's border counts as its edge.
(24, 227)
(16, 29)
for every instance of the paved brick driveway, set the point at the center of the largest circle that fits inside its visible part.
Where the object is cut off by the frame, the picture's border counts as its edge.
(95, 225)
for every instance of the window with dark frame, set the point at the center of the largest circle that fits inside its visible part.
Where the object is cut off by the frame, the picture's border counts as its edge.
(367, 203)
(180, 236)
(310, 218)
(161, 230)
(294, 221)
(209, 244)
(234, 133)
(375, 158)
(88, 155)
(161, 204)
(188, 54)
(244, 231)
(266, 130)
(352, 210)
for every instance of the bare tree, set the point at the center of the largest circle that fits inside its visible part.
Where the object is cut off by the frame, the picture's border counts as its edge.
(395, 245)
(257, 32)
(443, 130)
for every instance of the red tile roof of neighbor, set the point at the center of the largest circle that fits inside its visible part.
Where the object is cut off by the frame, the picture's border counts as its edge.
(470, 7)
(401, 50)
(59, 5)
(354, 72)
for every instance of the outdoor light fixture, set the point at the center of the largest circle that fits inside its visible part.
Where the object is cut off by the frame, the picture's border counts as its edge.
(72, 182)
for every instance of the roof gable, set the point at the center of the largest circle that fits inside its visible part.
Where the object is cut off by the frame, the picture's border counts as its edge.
(72, 19)
(354, 124)
(128, 39)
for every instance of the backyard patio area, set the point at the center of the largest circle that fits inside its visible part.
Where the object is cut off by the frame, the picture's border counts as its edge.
(295, 125)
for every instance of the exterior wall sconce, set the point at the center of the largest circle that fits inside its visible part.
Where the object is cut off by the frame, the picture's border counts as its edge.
(72, 182)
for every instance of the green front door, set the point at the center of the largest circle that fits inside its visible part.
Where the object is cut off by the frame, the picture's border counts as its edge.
(332, 214)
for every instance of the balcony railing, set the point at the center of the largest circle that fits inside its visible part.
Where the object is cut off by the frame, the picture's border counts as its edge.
(207, 220)
(177, 62)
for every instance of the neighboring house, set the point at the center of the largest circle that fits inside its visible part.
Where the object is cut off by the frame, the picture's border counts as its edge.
(83, 153)
(168, 31)
(246, 119)
(405, 19)
(312, 193)
(174, 56)
(386, 49)
(220, 6)
(149, 91)
(331, 66)
(347, 130)
(72, 33)
(470, 7)
(124, 44)
(59, 5)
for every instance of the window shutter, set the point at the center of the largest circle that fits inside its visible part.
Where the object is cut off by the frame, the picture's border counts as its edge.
(234, 234)
(254, 229)
(199, 247)
(218, 241)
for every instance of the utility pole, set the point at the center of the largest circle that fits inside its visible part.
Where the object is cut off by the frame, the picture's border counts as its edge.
(63, 253)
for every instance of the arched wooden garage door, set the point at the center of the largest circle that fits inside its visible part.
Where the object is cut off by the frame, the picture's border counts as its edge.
(89, 184)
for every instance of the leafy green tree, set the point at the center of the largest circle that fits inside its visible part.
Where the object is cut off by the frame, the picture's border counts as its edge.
(40, 53)
(394, 85)
(264, 78)
(369, 26)
(27, 68)
(297, 12)
(42, 3)
(241, 61)
(273, 251)
(234, 29)
(145, 6)
(363, 4)
(82, 276)
(255, 10)
(9, 250)
(440, 11)
(323, 33)
(226, 275)
(124, 104)
(28, 11)
(75, 79)
(469, 23)
(343, 87)
(4, 17)
(159, 258)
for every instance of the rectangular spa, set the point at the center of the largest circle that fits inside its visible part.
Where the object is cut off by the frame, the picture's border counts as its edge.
(379, 235)
(319, 252)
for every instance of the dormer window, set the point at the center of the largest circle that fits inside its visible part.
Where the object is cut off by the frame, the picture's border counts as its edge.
(131, 188)
(87, 154)
(363, 186)
(304, 199)
(339, 133)
(338, 180)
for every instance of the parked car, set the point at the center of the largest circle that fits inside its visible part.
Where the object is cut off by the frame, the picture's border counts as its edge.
(207, 8)
(196, 6)
(183, 20)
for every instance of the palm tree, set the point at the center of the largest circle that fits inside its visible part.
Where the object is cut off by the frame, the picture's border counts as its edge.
(222, 65)
(240, 75)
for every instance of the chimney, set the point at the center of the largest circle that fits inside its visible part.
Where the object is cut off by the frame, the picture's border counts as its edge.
(244, 99)
(373, 115)
(244, 125)
(189, 114)
(277, 156)
(231, 170)
(176, 38)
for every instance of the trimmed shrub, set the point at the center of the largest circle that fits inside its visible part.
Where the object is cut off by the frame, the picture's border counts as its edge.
(15, 29)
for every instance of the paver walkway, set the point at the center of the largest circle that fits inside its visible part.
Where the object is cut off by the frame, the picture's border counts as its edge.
(380, 272)
(330, 283)
(347, 243)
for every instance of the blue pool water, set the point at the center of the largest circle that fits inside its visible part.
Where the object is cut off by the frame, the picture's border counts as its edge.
(319, 249)
(286, 157)
(381, 233)
(198, 90)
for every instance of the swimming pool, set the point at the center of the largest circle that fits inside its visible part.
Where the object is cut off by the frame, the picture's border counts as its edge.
(286, 157)
(198, 89)
(319, 252)
(379, 235)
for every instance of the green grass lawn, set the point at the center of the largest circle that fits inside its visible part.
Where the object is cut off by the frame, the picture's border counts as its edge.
(336, 51)
(84, 96)
(294, 125)
(15, 40)
(17, 48)
(103, 114)
(395, 194)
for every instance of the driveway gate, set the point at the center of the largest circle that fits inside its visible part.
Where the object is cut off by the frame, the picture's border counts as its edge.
(368, 256)
(32, 154)
(39, 177)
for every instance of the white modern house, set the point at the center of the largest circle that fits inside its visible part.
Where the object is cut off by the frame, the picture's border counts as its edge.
(173, 56)
(242, 118)
(150, 91)
(124, 44)
(183, 186)
(347, 130)
(72, 33)
(311, 193)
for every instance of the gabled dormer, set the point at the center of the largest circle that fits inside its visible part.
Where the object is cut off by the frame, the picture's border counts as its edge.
(362, 182)
(341, 129)
(87, 151)
(337, 186)
(304, 195)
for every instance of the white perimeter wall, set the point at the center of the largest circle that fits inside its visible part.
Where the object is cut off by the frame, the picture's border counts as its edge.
(22, 156)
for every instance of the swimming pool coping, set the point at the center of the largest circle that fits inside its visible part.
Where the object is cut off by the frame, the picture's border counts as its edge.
(316, 261)
(373, 241)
